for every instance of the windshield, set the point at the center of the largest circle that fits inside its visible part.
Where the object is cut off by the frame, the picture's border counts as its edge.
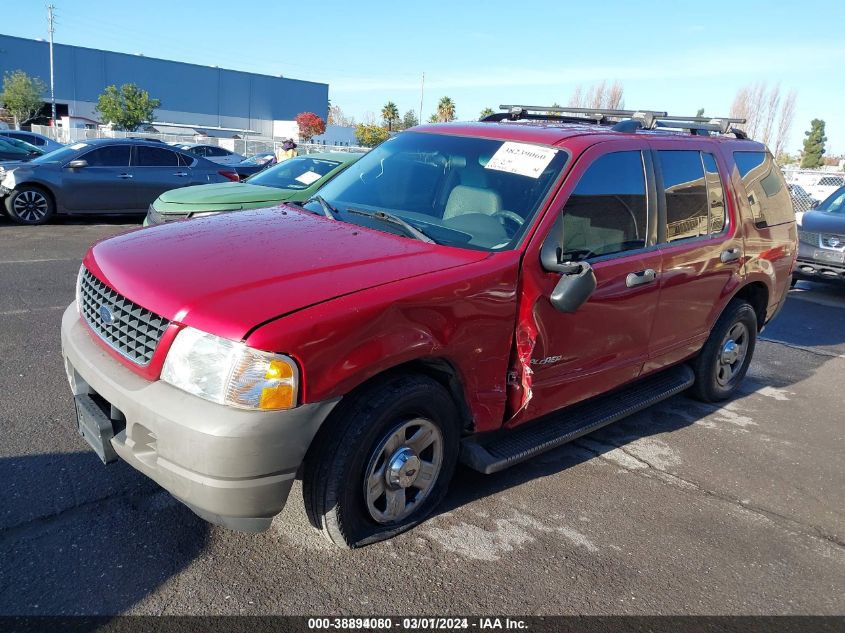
(835, 203)
(294, 173)
(64, 153)
(20, 145)
(460, 191)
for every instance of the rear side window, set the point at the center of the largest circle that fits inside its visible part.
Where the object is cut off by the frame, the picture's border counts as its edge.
(767, 193)
(715, 193)
(606, 213)
(156, 157)
(109, 156)
(687, 207)
(216, 151)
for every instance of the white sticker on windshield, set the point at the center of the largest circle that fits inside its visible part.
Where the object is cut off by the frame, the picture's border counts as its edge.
(521, 158)
(79, 146)
(308, 177)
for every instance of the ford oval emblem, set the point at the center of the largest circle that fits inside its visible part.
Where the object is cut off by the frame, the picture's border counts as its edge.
(106, 315)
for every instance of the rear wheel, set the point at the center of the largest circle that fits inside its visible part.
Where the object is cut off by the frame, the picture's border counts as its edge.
(383, 462)
(723, 361)
(30, 205)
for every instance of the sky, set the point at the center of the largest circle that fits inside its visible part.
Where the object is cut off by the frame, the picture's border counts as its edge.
(675, 56)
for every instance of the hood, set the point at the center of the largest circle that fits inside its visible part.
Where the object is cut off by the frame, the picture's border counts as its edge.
(228, 273)
(822, 222)
(224, 193)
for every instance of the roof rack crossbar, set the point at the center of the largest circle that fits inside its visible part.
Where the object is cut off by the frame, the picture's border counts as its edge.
(625, 120)
(608, 112)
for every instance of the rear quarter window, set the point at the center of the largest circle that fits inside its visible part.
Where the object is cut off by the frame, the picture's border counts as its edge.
(765, 187)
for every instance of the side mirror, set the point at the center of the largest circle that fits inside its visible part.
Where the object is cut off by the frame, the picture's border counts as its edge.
(815, 204)
(77, 164)
(578, 279)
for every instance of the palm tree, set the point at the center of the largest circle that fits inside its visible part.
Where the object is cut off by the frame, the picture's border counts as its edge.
(390, 114)
(446, 110)
(485, 113)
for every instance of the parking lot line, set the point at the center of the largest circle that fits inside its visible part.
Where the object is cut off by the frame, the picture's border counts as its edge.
(37, 261)
(27, 311)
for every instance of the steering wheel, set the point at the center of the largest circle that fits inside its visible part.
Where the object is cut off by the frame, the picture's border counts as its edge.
(510, 215)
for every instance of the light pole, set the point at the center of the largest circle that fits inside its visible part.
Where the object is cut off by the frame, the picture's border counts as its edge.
(51, 29)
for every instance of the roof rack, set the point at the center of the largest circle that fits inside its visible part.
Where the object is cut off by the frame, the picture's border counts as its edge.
(621, 120)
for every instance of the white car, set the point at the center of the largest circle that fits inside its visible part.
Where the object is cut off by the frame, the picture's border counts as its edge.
(826, 185)
(213, 153)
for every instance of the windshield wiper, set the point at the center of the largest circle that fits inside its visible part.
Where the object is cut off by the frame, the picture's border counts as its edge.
(328, 210)
(384, 216)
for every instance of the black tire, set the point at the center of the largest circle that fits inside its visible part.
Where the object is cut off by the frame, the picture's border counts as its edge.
(716, 378)
(30, 205)
(347, 449)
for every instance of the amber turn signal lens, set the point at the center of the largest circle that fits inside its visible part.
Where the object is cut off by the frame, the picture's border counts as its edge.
(279, 392)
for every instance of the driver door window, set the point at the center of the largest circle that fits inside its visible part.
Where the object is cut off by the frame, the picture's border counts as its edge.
(607, 212)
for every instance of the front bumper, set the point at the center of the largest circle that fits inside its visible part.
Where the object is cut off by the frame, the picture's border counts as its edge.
(819, 264)
(232, 467)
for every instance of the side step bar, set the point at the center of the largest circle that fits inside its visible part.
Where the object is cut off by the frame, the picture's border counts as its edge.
(500, 450)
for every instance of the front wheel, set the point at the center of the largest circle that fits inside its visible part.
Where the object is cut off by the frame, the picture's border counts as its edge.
(30, 205)
(383, 462)
(723, 361)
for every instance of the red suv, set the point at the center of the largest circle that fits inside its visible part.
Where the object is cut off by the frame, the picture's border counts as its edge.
(474, 292)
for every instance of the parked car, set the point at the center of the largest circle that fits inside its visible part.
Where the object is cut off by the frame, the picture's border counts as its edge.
(213, 153)
(254, 164)
(19, 151)
(826, 184)
(294, 180)
(821, 235)
(435, 303)
(38, 140)
(101, 176)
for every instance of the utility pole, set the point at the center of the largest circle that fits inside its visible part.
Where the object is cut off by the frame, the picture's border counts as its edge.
(422, 92)
(51, 19)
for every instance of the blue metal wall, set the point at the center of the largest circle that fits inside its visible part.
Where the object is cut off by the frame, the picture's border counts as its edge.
(81, 74)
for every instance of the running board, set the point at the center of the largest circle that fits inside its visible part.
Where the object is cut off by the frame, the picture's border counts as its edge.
(504, 449)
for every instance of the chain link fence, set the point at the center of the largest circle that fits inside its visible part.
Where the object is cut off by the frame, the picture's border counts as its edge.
(245, 146)
(809, 187)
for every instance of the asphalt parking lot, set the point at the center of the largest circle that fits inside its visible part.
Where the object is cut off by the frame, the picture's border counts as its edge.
(683, 509)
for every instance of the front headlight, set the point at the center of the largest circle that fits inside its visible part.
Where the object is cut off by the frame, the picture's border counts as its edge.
(79, 288)
(228, 372)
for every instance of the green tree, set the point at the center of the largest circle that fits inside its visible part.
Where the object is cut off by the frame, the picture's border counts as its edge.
(485, 113)
(390, 114)
(700, 112)
(127, 108)
(410, 119)
(370, 135)
(814, 145)
(433, 118)
(21, 95)
(445, 110)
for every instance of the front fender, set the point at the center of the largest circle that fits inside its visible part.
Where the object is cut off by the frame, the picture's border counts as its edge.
(463, 315)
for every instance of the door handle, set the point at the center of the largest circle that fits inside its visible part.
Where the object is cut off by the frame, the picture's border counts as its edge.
(640, 277)
(181, 173)
(125, 176)
(730, 255)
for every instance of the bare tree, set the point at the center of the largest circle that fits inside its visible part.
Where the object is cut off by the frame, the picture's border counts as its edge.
(787, 114)
(767, 116)
(598, 95)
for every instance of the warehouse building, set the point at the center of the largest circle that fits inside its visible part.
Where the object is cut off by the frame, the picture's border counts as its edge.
(219, 100)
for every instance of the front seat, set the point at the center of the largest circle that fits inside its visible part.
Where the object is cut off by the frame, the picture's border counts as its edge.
(464, 199)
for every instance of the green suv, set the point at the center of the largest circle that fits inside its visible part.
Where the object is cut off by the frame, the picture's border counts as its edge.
(294, 180)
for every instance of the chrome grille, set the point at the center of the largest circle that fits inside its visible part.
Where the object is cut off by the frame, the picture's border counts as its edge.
(133, 331)
(836, 242)
(809, 238)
